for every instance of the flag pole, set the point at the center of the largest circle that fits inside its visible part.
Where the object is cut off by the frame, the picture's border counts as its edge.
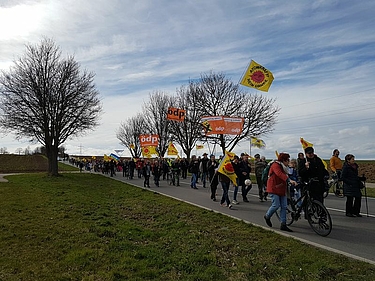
(243, 73)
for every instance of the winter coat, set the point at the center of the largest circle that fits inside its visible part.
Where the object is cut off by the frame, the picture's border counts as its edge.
(194, 167)
(203, 165)
(351, 180)
(277, 180)
(259, 167)
(211, 168)
(243, 167)
(316, 170)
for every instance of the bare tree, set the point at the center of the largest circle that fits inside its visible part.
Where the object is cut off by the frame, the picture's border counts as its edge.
(129, 132)
(3, 150)
(19, 151)
(47, 99)
(216, 95)
(188, 132)
(155, 112)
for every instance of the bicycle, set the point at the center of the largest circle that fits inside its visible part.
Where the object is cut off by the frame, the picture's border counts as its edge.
(337, 186)
(315, 212)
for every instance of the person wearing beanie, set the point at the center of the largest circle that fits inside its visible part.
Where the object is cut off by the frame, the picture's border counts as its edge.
(312, 167)
(277, 188)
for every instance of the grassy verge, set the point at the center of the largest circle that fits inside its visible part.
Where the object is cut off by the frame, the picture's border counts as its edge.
(10, 163)
(88, 227)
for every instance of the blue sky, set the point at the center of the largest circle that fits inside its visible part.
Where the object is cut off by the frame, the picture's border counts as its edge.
(321, 53)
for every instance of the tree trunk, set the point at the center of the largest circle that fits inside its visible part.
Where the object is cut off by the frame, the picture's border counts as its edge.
(52, 153)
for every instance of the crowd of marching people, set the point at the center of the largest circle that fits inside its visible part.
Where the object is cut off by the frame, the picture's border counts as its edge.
(275, 182)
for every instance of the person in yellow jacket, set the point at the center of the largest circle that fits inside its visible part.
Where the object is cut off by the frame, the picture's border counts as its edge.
(335, 163)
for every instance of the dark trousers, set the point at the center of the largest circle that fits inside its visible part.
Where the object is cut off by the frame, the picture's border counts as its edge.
(353, 208)
(213, 184)
(245, 190)
(146, 182)
(260, 186)
(225, 197)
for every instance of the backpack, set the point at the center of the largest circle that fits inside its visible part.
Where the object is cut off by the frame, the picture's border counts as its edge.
(265, 173)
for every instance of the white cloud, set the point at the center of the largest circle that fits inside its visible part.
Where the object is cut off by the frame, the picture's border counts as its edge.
(321, 54)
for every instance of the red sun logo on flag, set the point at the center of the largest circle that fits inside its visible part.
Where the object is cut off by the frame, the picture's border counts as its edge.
(146, 150)
(257, 77)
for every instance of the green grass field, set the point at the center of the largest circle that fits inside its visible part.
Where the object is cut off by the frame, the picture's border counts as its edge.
(89, 227)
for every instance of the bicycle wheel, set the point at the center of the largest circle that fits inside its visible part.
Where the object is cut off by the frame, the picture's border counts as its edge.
(289, 215)
(338, 189)
(318, 217)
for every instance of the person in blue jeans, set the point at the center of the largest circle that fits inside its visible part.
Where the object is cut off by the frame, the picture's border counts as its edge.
(277, 188)
(194, 169)
(225, 182)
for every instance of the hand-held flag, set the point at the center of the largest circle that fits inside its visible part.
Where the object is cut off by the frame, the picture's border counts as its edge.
(258, 77)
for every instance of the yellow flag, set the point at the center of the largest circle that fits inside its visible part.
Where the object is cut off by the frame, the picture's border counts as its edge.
(277, 154)
(132, 146)
(199, 146)
(258, 77)
(226, 167)
(146, 152)
(305, 143)
(152, 149)
(257, 142)
(172, 149)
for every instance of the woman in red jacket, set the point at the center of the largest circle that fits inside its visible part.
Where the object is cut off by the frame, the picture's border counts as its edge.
(277, 184)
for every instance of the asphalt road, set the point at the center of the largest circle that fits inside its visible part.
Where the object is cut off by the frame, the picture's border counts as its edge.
(353, 237)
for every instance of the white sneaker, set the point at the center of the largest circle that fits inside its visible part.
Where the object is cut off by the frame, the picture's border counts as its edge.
(235, 202)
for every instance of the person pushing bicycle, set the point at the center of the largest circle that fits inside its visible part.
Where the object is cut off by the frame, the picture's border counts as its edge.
(312, 167)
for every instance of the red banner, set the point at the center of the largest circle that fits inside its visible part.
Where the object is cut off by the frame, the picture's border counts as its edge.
(222, 125)
(176, 114)
(149, 140)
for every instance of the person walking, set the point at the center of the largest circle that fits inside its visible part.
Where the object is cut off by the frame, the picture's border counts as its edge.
(194, 170)
(156, 171)
(259, 167)
(244, 174)
(352, 186)
(225, 182)
(203, 168)
(146, 170)
(277, 189)
(235, 165)
(212, 166)
(131, 168)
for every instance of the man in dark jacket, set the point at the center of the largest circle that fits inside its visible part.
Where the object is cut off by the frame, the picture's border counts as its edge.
(312, 167)
(212, 166)
(259, 167)
(203, 168)
(194, 169)
(244, 168)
